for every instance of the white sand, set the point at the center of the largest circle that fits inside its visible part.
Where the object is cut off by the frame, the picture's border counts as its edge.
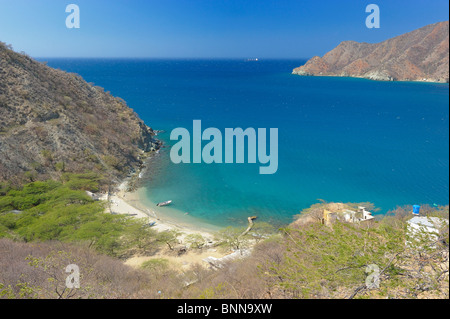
(125, 203)
(121, 203)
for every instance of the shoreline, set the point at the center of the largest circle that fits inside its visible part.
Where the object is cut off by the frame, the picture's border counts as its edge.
(131, 203)
(370, 79)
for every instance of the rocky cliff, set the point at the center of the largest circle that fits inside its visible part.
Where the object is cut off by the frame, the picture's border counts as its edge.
(420, 55)
(53, 122)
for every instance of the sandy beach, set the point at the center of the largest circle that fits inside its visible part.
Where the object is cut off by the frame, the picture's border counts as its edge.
(128, 203)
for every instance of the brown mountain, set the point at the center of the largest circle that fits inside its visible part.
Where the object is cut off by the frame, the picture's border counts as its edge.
(53, 122)
(420, 55)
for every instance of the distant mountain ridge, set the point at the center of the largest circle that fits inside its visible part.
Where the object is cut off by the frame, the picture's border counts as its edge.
(52, 121)
(420, 55)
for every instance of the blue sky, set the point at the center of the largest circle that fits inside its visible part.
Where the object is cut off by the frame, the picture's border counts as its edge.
(205, 28)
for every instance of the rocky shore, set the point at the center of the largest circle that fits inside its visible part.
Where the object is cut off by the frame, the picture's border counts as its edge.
(420, 55)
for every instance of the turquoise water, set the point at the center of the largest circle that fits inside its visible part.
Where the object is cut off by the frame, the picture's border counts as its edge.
(340, 139)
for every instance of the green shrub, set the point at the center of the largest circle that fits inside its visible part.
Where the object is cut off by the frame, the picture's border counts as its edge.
(156, 264)
(62, 211)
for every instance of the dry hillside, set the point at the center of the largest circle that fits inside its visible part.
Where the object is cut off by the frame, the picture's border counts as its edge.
(52, 121)
(420, 55)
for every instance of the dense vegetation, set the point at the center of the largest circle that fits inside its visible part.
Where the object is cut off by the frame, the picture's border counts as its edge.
(62, 211)
(47, 225)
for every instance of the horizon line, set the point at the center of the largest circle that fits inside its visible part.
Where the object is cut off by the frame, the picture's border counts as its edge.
(170, 58)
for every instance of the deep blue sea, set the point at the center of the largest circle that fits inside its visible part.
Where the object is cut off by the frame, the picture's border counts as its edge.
(340, 139)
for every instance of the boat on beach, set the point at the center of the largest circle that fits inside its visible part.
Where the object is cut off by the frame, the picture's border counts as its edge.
(164, 203)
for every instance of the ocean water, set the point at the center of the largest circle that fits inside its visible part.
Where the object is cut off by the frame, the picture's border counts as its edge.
(340, 139)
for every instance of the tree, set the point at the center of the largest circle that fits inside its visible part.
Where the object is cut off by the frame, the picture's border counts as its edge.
(157, 266)
(169, 237)
(231, 237)
(196, 241)
(138, 235)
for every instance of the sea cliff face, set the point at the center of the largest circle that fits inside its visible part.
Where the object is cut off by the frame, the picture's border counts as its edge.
(53, 122)
(420, 55)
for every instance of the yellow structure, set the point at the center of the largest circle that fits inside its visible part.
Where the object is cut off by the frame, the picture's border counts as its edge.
(328, 217)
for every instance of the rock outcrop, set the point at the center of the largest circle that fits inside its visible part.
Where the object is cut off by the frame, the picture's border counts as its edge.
(420, 55)
(53, 122)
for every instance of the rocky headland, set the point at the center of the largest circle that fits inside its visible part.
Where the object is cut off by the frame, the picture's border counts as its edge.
(420, 55)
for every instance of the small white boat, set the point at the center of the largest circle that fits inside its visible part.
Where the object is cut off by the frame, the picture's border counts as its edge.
(164, 203)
